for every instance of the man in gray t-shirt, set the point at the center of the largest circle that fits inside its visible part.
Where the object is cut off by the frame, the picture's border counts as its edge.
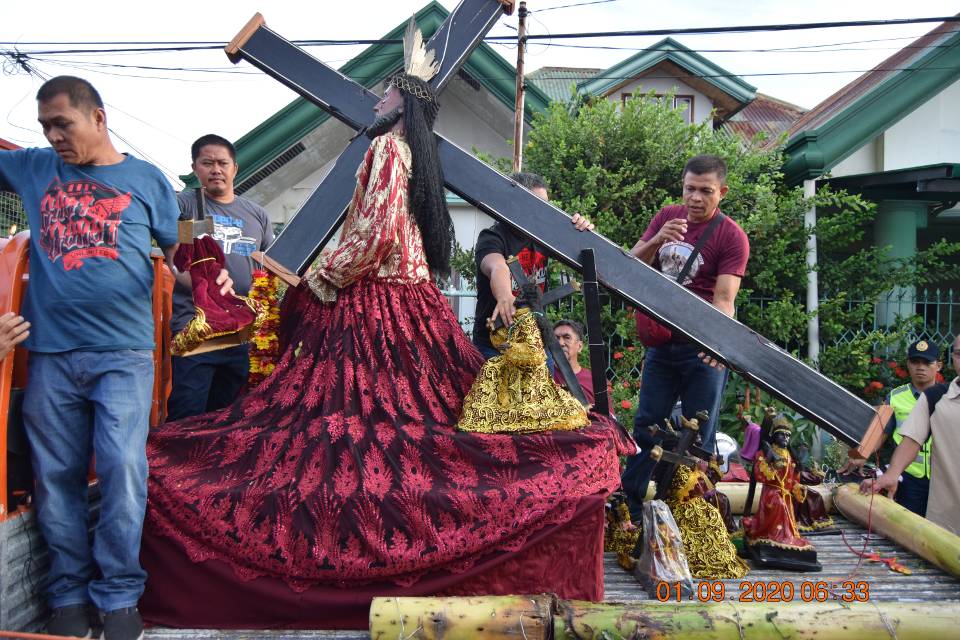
(212, 380)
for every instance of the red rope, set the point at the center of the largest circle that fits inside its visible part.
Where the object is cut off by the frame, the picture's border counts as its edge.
(866, 541)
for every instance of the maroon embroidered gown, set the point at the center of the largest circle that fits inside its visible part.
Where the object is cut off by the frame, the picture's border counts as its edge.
(341, 476)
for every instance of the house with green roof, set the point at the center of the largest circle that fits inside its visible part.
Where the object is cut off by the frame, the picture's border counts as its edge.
(703, 90)
(893, 135)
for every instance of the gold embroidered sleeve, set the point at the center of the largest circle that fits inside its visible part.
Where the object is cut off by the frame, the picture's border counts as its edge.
(370, 230)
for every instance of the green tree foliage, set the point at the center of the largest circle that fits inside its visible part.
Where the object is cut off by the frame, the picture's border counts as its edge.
(619, 164)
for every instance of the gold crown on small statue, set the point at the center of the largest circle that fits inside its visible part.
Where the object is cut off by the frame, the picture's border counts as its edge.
(780, 424)
(418, 63)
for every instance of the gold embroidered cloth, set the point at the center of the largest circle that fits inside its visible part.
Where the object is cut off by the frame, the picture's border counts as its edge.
(380, 238)
(710, 553)
(514, 392)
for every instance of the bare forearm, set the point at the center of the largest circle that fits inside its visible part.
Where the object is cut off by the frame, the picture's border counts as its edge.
(646, 250)
(725, 293)
(168, 254)
(724, 305)
(500, 284)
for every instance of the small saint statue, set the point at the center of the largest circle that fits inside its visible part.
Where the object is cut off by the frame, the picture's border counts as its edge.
(710, 553)
(772, 536)
(514, 391)
(662, 558)
(812, 513)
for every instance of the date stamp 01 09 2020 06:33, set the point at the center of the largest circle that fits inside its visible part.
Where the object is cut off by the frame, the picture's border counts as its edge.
(774, 591)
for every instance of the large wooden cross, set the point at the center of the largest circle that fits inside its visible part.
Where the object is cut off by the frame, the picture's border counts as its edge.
(742, 349)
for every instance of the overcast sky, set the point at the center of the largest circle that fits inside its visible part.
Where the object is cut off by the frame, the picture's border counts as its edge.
(159, 112)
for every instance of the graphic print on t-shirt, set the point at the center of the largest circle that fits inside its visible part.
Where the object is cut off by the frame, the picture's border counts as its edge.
(80, 219)
(228, 231)
(534, 265)
(673, 255)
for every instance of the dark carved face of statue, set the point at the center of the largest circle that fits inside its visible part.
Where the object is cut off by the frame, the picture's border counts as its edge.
(781, 438)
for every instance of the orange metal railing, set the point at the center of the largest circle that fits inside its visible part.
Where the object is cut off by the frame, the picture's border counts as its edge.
(14, 273)
(14, 278)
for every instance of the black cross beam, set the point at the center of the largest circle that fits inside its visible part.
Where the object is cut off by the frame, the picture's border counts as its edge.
(683, 451)
(743, 350)
(305, 235)
(597, 347)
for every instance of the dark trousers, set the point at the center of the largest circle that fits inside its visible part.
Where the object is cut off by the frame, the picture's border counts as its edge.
(670, 371)
(207, 381)
(912, 494)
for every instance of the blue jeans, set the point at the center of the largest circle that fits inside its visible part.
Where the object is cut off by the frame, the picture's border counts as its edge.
(80, 403)
(207, 381)
(670, 371)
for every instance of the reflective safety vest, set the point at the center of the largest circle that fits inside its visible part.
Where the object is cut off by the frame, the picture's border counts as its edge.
(903, 401)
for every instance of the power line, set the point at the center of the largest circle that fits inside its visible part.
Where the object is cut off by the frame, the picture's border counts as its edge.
(807, 49)
(37, 73)
(229, 70)
(817, 48)
(205, 44)
(739, 29)
(569, 6)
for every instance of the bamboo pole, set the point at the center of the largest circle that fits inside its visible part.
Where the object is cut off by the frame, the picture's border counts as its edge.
(755, 621)
(918, 535)
(737, 493)
(506, 617)
(541, 617)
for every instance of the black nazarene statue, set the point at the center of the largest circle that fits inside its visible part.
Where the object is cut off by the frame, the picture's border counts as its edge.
(342, 476)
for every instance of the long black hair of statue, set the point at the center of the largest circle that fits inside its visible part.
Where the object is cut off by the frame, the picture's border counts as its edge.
(428, 199)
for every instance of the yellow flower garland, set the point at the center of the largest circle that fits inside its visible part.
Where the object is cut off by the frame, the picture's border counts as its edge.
(264, 346)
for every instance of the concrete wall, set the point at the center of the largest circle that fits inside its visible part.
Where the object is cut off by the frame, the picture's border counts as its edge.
(866, 159)
(928, 135)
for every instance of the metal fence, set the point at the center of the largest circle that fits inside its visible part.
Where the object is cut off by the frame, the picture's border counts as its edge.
(12, 217)
(938, 311)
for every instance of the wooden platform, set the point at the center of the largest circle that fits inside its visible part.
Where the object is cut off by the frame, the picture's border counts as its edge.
(926, 584)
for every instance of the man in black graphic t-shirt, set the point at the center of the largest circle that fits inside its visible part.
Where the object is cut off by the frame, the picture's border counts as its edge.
(496, 290)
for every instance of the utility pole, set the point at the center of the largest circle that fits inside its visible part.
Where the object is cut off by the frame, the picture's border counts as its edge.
(518, 107)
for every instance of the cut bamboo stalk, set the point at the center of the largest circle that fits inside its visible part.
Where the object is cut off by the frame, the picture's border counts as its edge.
(755, 621)
(737, 493)
(540, 617)
(918, 535)
(506, 617)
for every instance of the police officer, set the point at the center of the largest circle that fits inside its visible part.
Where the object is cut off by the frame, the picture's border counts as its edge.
(923, 365)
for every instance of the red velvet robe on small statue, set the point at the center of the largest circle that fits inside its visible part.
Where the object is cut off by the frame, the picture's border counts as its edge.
(811, 513)
(775, 524)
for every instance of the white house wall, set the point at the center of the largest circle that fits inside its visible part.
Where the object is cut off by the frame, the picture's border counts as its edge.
(702, 105)
(866, 159)
(928, 135)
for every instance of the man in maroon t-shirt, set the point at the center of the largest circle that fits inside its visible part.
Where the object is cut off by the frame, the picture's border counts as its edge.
(569, 333)
(679, 368)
